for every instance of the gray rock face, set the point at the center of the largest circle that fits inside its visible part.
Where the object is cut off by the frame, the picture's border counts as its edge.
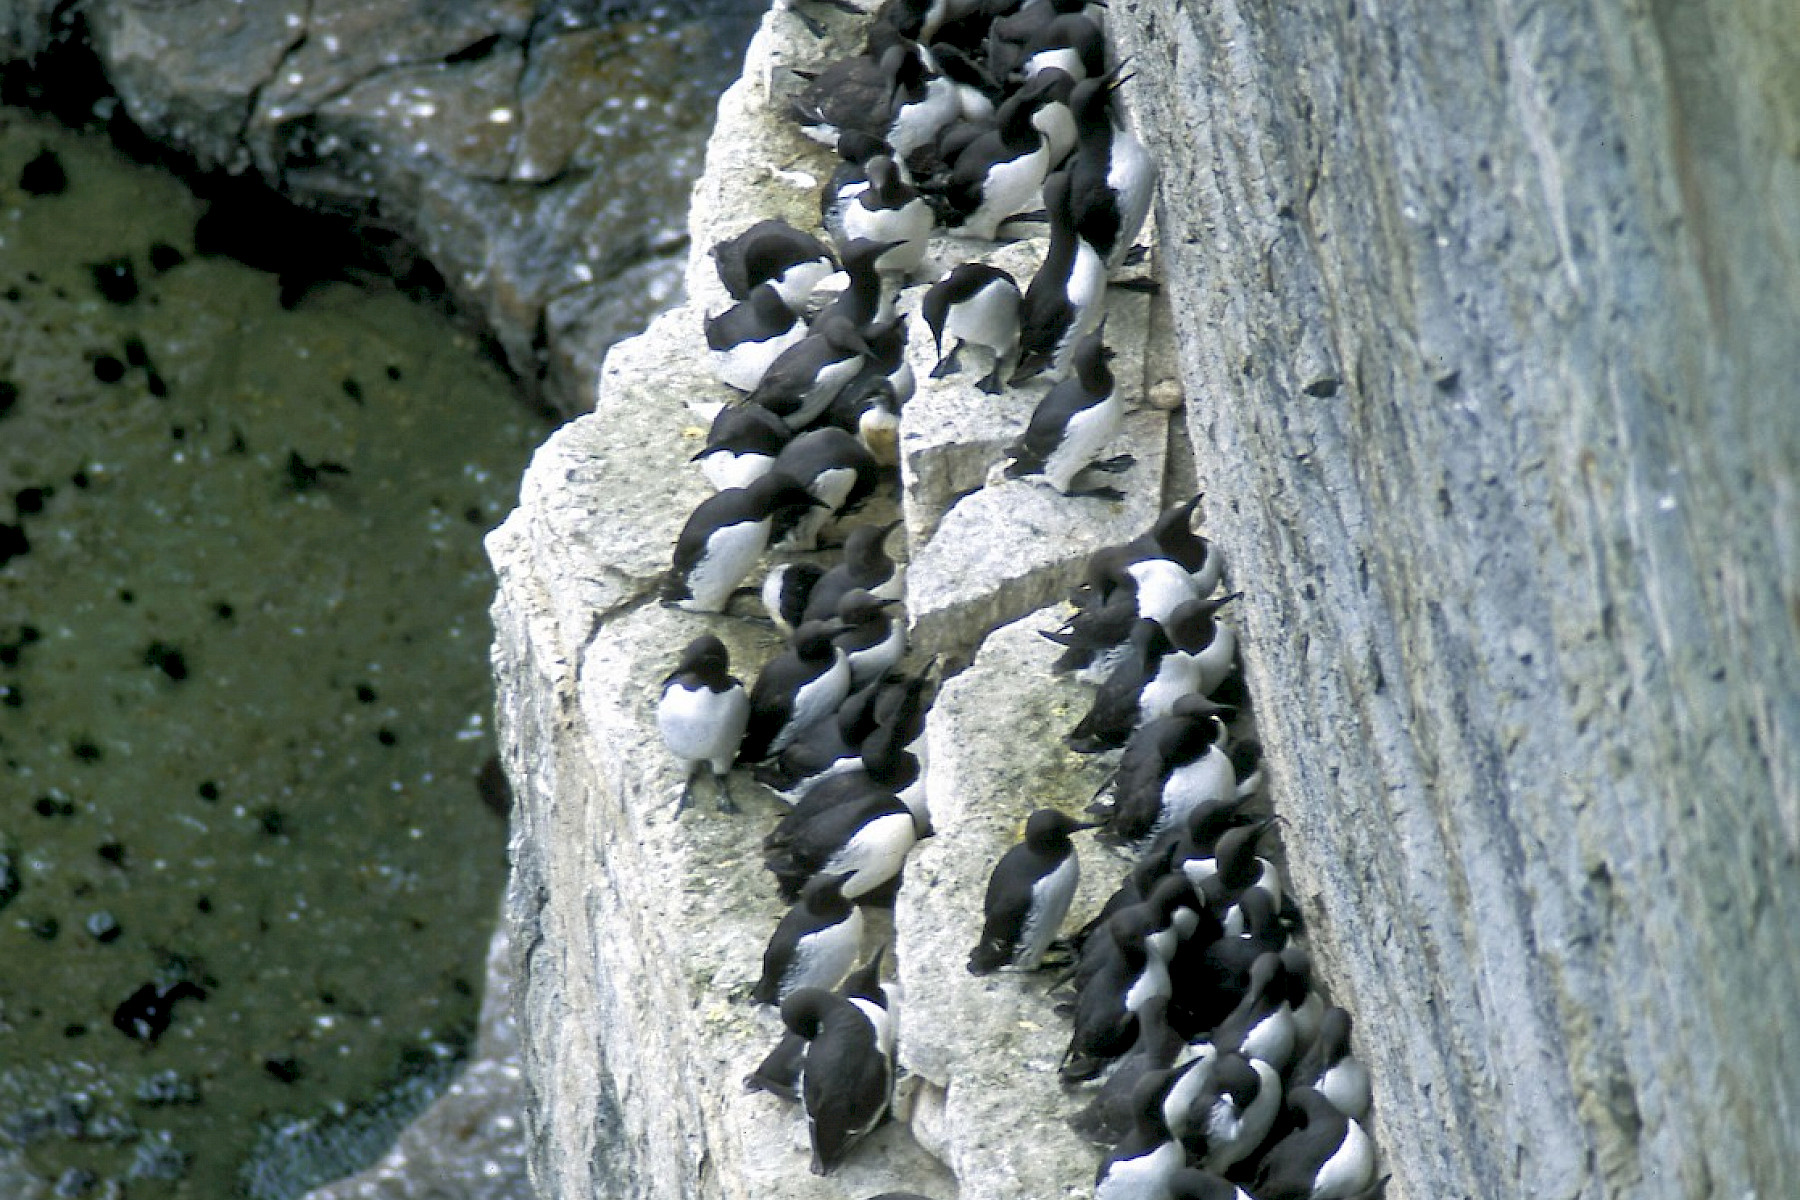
(1486, 322)
(489, 133)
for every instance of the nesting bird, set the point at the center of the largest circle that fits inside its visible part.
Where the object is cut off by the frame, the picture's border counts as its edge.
(815, 944)
(1070, 426)
(847, 1072)
(702, 714)
(974, 305)
(795, 690)
(726, 535)
(1028, 895)
(773, 253)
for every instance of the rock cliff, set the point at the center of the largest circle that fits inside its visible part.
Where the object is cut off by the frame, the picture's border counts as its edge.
(1484, 320)
(1487, 316)
(640, 933)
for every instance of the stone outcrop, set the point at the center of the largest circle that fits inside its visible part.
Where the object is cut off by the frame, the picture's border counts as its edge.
(536, 152)
(640, 932)
(1484, 320)
(1487, 318)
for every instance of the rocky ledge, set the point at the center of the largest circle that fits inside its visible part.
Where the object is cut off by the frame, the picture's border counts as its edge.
(640, 931)
(1484, 327)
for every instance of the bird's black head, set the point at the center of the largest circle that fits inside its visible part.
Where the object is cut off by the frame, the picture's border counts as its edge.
(705, 655)
(1049, 828)
(804, 1011)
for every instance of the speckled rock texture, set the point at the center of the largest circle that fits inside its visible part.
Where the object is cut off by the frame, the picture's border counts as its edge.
(1487, 315)
(537, 152)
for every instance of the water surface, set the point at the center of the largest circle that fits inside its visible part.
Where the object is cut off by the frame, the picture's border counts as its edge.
(244, 699)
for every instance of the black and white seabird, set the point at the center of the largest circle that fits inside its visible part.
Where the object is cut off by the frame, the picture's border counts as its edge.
(1011, 32)
(847, 1073)
(1233, 1112)
(867, 296)
(867, 838)
(786, 589)
(848, 180)
(815, 944)
(865, 565)
(1172, 537)
(1140, 1167)
(724, 537)
(1070, 42)
(1047, 93)
(1106, 1007)
(1327, 1157)
(1111, 176)
(868, 775)
(702, 714)
(872, 729)
(999, 174)
(1234, 869)
(1071, 424)
(748, 337)
(799, 687)
(1171, 767)
(873, 640)
(801, 384)
(922, 103)
(854, 94)
(1261, 1027)
(1204, 649)
(869, 406)
(775, 253)
(974, 305)
(1329, 1067)
(1094, 639)
(779, 1072)
(1066, 298)
(836, 468)
(1149, 672)
(1107, 1118)
(1028, 895)
(889, 210)
(741, 445)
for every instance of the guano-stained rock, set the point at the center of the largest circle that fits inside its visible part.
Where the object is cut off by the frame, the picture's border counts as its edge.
(640, 932)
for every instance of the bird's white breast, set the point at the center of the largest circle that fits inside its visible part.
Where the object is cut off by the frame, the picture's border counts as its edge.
(1050, 899)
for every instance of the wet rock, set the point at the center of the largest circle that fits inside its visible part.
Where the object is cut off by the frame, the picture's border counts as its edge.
(10, 883)
(157, 1157)
(43, 175)
(147, 1013)
(539, 153)
(75, 1182)
(166, 1087)
(470, 1144)
(116, 280)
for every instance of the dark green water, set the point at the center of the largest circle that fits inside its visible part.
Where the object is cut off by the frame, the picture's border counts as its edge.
(243, 688)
